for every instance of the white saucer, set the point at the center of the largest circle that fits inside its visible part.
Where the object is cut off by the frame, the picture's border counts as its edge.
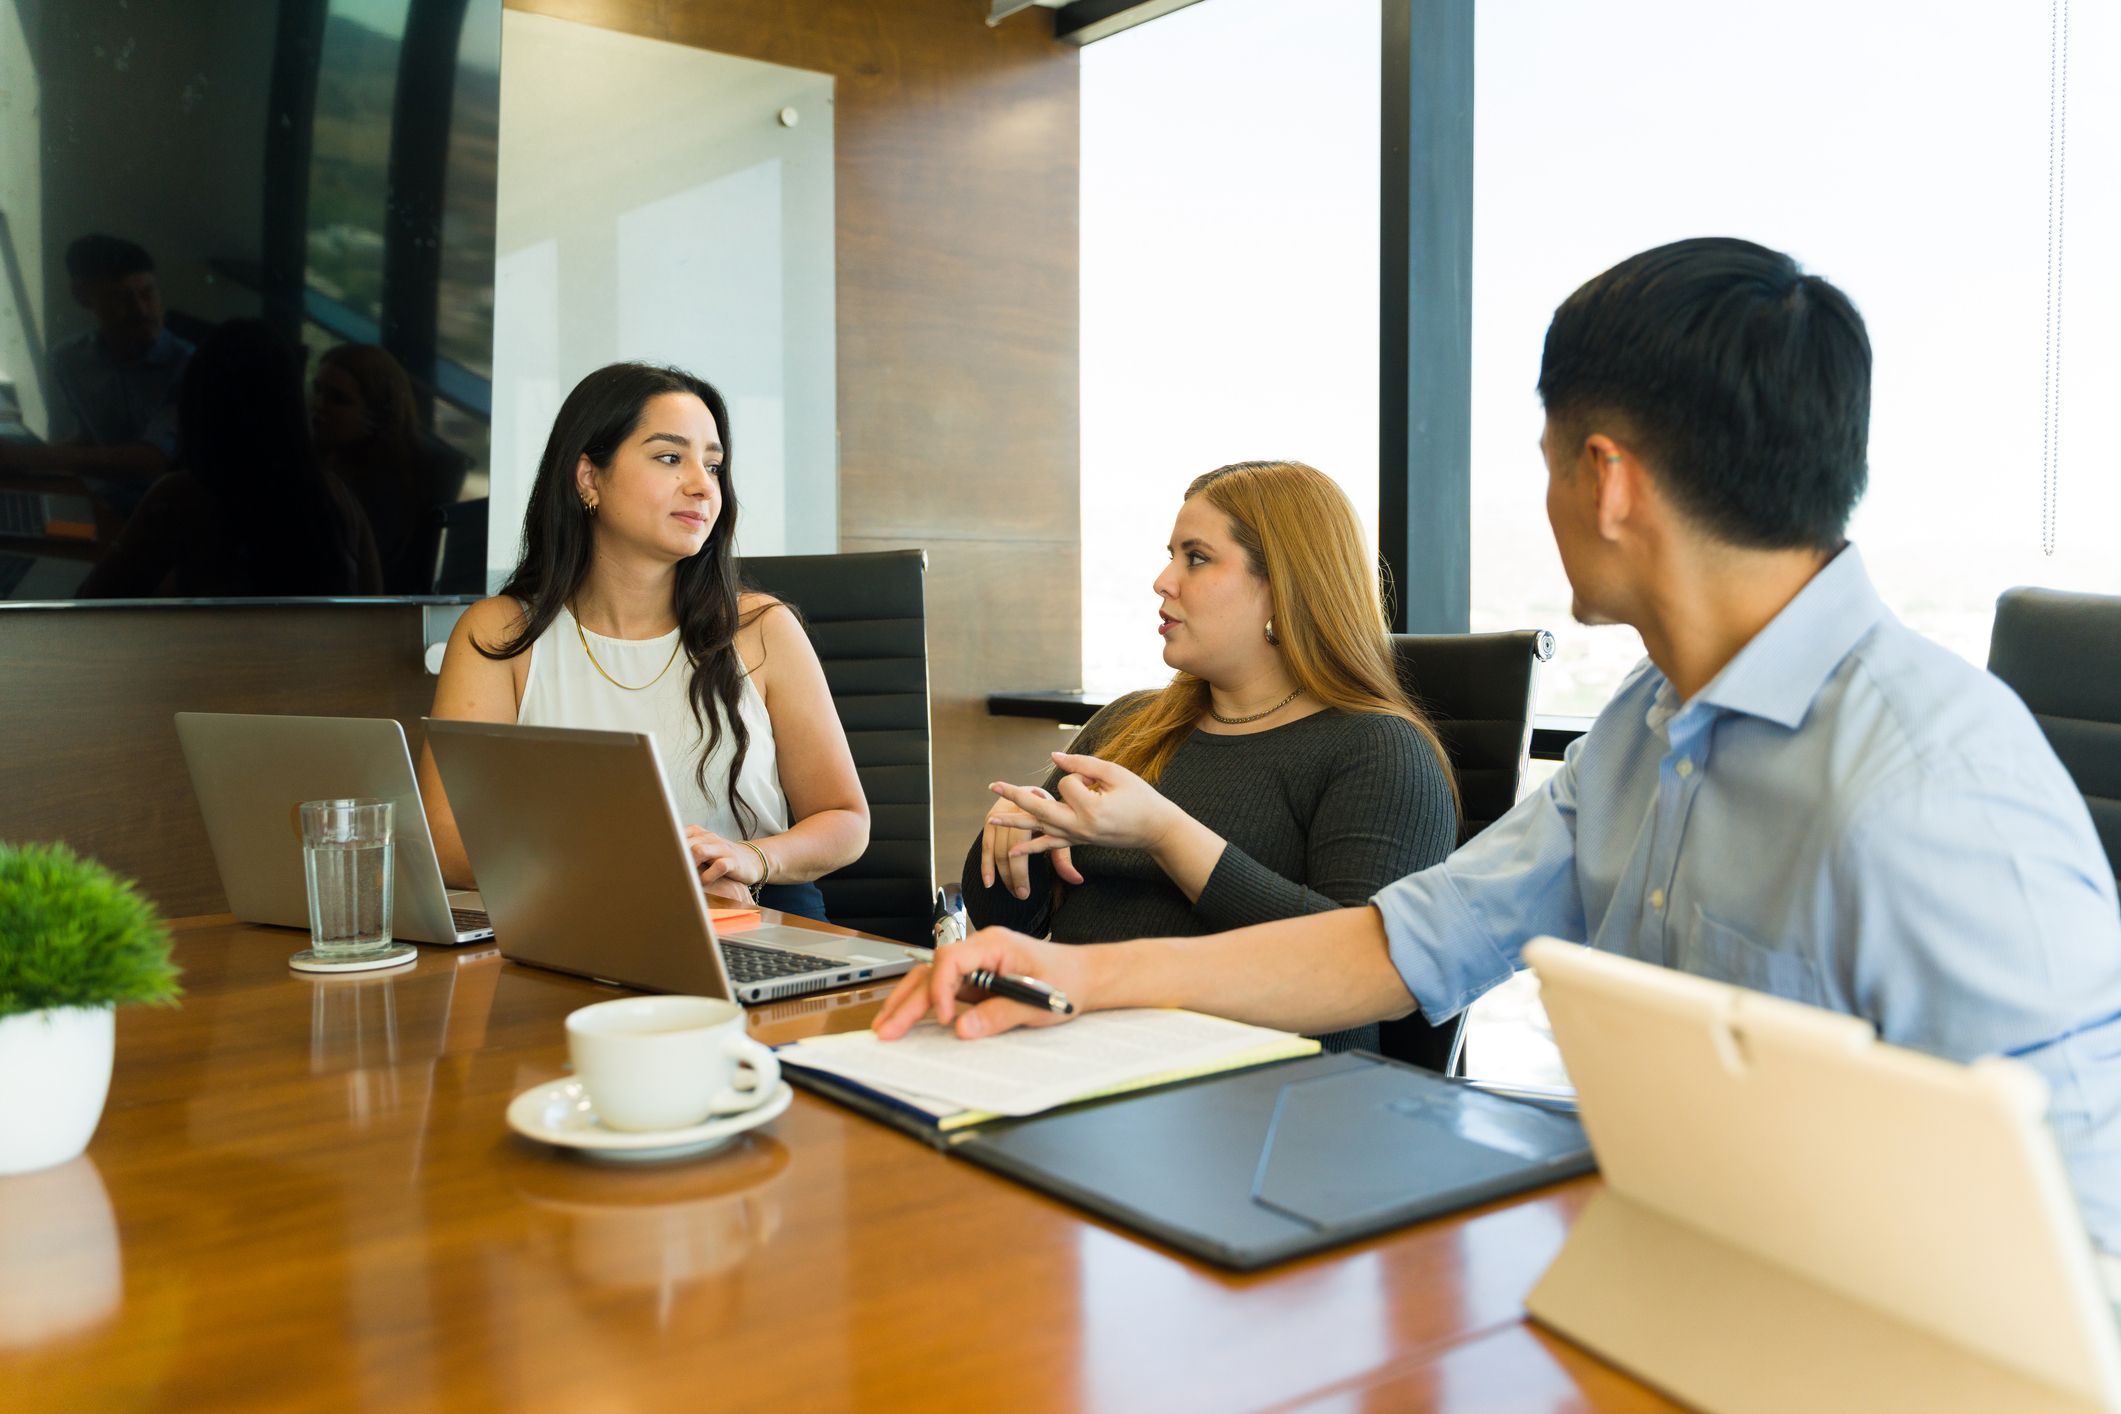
(395, 955)
(559, 1112)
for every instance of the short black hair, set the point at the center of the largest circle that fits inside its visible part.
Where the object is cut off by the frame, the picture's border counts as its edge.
(101, 257)
(1743, 383)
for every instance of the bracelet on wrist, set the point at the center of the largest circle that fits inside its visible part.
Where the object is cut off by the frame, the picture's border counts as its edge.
(765, 867)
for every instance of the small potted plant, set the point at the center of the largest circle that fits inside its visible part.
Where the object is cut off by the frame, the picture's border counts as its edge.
(75, 942)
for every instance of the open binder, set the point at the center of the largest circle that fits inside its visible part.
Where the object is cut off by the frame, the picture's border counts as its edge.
(1253, 1167)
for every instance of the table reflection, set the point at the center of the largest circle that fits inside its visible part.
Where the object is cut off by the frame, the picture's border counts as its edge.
(656, 1228)
(59, 1252)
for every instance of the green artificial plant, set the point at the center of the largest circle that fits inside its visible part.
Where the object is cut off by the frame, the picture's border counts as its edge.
(73, 934)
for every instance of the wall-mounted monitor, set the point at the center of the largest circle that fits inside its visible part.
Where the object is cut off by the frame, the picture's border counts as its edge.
(246, 296)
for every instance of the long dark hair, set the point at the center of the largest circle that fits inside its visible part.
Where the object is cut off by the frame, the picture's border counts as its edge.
(391, 450)
(597, 418)
(243, 434)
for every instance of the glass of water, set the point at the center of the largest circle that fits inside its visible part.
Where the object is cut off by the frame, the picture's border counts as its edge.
(346, 855)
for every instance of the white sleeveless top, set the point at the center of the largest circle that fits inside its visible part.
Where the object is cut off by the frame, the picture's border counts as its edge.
(563, 688)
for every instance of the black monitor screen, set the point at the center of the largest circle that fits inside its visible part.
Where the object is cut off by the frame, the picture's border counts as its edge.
(246, 310)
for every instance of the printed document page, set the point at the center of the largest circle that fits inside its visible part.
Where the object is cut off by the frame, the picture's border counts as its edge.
(1027, 1071)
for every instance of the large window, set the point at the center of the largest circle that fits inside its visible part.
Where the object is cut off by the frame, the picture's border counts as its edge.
(358, 98)
(1904, 153)
(1229, 277)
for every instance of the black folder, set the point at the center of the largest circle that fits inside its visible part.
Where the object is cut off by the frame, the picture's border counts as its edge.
(1258, 1166)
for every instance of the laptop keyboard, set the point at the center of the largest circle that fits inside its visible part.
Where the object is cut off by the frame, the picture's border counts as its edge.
(21, 513)
(750, 964)
(469, 919)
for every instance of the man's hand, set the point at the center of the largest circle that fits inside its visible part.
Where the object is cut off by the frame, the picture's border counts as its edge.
(940, 986)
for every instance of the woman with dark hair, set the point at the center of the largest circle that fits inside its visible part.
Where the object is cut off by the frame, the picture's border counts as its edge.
(247, 512)
(625, 613)
(366, 425)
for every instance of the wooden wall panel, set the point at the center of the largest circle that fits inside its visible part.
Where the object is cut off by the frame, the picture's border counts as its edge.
(87, 695)
(957, 192)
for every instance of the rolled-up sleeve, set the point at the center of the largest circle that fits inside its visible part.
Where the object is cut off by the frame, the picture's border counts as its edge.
(1455, 930)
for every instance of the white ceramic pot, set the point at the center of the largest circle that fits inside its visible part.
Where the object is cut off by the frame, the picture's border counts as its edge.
(54, 1075)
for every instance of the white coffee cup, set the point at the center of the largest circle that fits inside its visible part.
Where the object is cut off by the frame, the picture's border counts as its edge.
(654, 1063)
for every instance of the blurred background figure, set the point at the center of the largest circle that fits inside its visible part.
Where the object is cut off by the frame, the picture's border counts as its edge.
(366, 422)
(249, 511)
(114, 387)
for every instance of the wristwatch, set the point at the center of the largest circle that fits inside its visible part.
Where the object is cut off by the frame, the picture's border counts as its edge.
(952, 924)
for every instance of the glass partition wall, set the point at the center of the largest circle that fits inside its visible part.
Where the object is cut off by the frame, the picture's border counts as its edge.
(288, 209)
(664, 203)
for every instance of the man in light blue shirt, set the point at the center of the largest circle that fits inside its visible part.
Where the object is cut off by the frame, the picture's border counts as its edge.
(114, 404)
(1793, 793)
(1847, 815)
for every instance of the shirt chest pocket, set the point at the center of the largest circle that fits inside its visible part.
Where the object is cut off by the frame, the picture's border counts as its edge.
(1718, 951)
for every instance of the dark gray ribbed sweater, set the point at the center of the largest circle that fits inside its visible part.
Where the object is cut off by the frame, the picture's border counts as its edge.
(1319, 814)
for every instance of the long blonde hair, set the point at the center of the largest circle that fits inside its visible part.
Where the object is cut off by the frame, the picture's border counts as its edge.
(1299, 534)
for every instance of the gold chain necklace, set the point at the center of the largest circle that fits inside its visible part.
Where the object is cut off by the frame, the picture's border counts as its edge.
(623, 687)
(1240, 721)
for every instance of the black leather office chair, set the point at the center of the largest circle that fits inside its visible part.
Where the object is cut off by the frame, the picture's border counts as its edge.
(867, 616)
(2062, 654)
(1477, 690)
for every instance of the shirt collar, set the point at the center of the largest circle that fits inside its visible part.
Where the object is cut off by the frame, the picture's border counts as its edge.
(1780, 672)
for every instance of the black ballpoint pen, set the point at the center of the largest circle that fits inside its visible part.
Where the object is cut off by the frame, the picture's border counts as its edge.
(1028, 990)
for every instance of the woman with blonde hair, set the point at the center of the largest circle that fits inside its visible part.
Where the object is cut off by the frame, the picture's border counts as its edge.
(1282, 771)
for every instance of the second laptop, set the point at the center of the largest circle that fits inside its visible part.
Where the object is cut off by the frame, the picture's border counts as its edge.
(582, 862)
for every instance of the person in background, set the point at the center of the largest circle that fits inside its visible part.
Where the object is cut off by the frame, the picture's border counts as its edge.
(114, 388)
(248, 512)
(366, 423)
(1282, 772)
(1793, 792)
(625, 613)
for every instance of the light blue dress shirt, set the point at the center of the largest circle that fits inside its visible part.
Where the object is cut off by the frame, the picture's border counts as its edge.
(108, 403)
(1848, 815)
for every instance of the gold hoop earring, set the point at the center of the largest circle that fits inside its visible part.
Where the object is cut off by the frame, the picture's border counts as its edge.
(1271, 639)
(589, 507)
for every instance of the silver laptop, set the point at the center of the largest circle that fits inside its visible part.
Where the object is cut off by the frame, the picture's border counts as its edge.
(1797, 1215)
(250, 772)
(579, 852)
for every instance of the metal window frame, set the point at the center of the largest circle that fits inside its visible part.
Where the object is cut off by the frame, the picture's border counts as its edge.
(415, 178)
(1425, 325)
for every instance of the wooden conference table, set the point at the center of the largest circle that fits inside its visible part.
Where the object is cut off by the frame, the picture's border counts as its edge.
(304, 1195)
